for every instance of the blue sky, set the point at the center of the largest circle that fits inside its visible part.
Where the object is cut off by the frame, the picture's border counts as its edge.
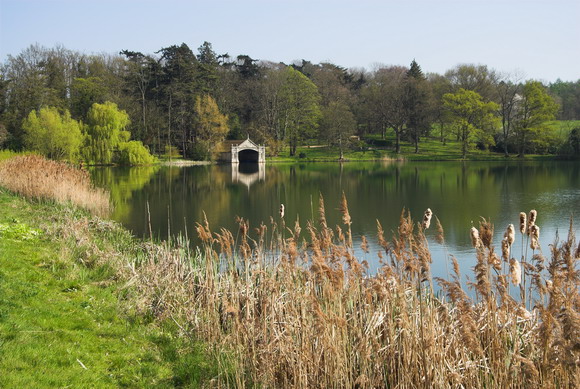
(540, 39)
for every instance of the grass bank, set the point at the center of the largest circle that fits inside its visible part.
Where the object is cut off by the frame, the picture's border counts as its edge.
(429, 150)
(68, 317)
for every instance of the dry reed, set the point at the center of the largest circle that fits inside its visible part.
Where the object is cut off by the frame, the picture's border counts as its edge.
(304, 314)
(35, 177)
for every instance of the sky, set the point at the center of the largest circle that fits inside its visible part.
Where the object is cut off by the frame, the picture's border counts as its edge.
(536, 39)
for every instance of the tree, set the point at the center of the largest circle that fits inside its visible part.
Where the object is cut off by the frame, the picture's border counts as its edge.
(535, 108)
(439, 85)
(385, 98)
(300, 108)
(207, 65)
(211, 127)
(53, 135)
(139, 77)
(270, 108)
(568, 94)
(416, 104)
(470, 115)
(105, 130)
(477, 78)
(178, 90)
(337, 125)
(84, 93)
(574, 141)
(508, 95)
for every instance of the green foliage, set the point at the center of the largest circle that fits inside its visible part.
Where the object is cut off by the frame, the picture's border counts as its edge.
(6, 154)
(568, 93)
(534, 111)
(201, 151)
(574, 142)
(104, 132)
(211, 128)
(134, 153)
(416, 103)
(473, 119)
(338, 123)
(4, 135)
(53, 135)
(300, 105)
(84, 93)
(171, 152)
(264, 99)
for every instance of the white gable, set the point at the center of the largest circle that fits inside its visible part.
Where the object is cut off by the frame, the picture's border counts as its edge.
(247, 144)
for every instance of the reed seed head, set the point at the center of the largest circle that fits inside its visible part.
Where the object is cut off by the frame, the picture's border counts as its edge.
(505, 249)
(475, 240)
(427, 218)
(515, 271)
(486, 232)
(440, 237)
(534, 237)
(533, 216)
(344, 210)
(523, 223)
(510, 234)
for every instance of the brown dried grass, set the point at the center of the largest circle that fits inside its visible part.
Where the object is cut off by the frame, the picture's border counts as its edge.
(306, 315)
(35, 177)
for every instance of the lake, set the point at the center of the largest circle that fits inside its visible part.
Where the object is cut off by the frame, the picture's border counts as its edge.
(458, 193)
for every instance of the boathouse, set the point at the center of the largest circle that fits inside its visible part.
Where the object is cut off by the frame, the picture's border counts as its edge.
(243, 151)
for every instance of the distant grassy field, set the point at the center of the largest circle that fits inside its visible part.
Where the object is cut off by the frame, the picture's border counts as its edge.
(430, 149)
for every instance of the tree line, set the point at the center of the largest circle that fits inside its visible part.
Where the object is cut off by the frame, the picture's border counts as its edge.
(180, 101)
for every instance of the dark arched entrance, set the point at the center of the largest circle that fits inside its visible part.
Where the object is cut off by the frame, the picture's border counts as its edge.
(248, 156)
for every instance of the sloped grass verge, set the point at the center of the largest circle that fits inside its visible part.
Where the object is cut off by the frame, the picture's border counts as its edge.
(67, 318)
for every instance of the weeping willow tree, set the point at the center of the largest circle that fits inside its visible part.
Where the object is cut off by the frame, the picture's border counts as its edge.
(107, 141)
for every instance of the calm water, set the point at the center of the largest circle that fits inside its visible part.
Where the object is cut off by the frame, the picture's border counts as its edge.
(458, 194)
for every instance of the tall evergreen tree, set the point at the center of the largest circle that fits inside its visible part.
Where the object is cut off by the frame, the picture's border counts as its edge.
(416, 103)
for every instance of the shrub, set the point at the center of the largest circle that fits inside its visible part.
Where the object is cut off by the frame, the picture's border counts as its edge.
(171, 152)
(134, 153)
(200, 151)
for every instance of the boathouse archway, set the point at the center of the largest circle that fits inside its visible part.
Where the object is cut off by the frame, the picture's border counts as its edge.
(248, 155)
(248, 151)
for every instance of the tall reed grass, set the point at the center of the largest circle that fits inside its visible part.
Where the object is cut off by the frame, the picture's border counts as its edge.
(38, 178)
(295, 308)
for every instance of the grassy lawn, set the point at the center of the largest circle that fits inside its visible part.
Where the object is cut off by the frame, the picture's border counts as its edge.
(429, 150)
(68, 324)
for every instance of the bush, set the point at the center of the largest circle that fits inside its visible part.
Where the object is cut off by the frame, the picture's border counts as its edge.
(134, 153)
(574, 141)
(200, 151)
(171, 152)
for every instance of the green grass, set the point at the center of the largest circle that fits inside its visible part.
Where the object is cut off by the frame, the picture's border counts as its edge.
(429, 150)
(65, 324)
(5, 154)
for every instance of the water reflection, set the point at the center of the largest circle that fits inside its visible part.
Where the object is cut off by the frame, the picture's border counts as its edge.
(248, 173)
(458, 193)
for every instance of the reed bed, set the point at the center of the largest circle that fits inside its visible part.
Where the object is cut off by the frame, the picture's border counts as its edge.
(283, 313)
(36, 177)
